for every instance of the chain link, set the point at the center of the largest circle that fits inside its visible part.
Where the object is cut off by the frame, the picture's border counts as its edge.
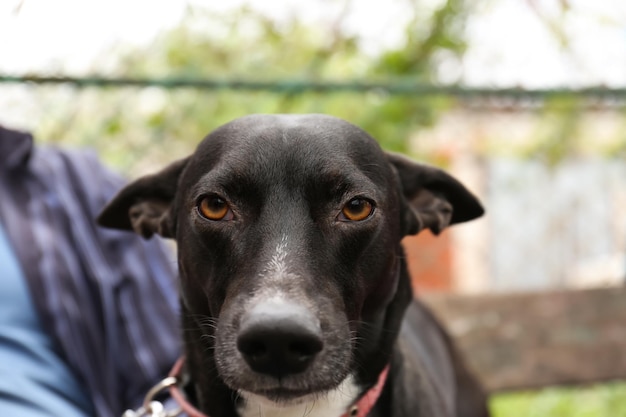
(152, 408)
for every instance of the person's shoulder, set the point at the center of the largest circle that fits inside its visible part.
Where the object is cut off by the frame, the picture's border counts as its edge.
(81, 171)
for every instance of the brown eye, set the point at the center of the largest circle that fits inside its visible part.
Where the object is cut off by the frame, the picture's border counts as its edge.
(214, 208)
(356, 210)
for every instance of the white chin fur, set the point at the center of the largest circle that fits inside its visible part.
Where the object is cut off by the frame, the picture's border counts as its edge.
(330, 404)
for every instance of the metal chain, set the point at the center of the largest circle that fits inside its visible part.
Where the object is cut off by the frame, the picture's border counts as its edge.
(152, 408)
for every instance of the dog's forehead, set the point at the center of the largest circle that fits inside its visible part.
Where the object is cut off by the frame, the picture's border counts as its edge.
(303, 131)
(294, 143)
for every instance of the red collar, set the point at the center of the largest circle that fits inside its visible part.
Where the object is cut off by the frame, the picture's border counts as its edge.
(365, 404)
(361, 409)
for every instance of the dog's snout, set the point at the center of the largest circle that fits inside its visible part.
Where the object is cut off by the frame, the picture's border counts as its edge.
(279, 338)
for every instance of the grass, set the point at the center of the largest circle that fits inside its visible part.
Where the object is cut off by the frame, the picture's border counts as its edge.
(605, 400)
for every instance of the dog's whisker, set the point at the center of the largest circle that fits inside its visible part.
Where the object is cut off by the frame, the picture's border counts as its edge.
(306, 413)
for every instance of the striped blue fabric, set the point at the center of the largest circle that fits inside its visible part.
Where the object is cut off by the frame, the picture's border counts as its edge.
(108, 298)
(34, 380)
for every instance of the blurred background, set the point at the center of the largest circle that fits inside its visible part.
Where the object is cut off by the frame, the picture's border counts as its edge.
(523, 100)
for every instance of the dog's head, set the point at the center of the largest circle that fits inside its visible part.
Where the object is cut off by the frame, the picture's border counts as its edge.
(288, 229)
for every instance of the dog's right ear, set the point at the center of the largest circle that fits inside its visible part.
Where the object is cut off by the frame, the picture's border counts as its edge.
(145, 204)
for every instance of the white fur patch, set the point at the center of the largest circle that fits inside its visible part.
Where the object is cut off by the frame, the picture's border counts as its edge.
(277, 267)
(331, 404)
(275, 275)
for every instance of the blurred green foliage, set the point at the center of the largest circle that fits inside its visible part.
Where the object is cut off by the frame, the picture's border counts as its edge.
(246, 44)
(605, 400)
(125, 124)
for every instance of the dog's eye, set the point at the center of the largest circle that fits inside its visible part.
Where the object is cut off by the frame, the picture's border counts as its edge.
(356, 210)
(214, 208)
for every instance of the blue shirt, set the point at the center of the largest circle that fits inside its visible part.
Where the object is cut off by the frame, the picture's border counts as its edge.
(34, 380)
(107, 300)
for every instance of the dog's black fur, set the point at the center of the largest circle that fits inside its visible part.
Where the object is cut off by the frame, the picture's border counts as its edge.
(339, 285)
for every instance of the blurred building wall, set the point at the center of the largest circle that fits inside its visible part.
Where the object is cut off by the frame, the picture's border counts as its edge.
(549, 224)
(557, 226)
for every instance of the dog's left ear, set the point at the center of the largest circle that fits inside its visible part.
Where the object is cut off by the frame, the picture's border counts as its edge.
(145, 204)
(434, 198)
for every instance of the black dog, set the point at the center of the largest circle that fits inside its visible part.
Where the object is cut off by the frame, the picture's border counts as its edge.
(294, 287)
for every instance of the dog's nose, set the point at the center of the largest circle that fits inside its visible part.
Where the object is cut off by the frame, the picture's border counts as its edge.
(279, 338)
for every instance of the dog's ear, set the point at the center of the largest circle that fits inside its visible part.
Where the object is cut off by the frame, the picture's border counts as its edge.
(145, 204)
(434, 199)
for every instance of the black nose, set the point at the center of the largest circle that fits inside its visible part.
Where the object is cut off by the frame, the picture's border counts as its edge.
(279, 338)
